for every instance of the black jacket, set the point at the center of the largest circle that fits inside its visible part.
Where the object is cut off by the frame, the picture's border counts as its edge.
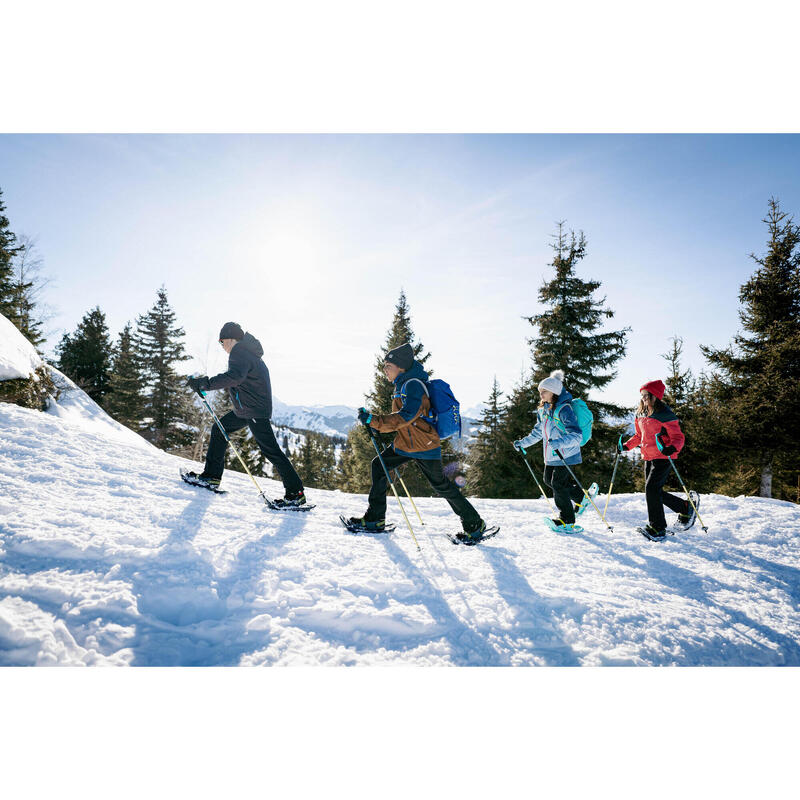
(247, 380)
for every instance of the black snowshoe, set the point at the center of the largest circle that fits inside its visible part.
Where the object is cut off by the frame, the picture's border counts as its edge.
(204, 482)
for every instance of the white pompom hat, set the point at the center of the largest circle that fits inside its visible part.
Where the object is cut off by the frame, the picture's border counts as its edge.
(555, 383)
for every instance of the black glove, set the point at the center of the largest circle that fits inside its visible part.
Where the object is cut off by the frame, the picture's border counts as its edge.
(364, 417)
(667, 450)
(199, 383)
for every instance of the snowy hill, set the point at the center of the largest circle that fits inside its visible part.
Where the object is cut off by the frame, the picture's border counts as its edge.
(107, 558)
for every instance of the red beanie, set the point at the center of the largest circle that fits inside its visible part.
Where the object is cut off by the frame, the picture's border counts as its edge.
(656, 388)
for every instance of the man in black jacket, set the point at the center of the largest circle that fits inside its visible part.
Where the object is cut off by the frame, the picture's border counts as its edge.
(248, 384)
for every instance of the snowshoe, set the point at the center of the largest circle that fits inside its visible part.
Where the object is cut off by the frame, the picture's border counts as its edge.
(361, 525)
(559, 526)
(584, 504)
(291, 502)
(685, 521)
(649, 532)
(473, 537)
(212, 484)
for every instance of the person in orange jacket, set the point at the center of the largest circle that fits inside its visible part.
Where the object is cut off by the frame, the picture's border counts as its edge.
(654, 418)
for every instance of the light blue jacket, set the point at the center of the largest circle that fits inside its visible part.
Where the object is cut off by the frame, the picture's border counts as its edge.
(563, 434)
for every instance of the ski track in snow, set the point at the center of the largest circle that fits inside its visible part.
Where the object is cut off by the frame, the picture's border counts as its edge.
(107, 558)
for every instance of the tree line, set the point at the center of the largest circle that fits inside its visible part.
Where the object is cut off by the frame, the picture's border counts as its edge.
(740, 415)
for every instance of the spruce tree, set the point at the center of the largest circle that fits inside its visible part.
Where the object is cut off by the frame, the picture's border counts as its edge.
(316, 461)
(758, 375)
(26, 287)
(354, 473)
(486, 476)
(126, 400)
(159, 347)
(85, 355)
(9, 248)
(569, 337)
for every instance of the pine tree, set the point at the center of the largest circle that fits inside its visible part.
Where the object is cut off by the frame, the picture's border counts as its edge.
(568, 338)
(354, 472)
(84, 355)
(27, 285)
(316, 461)
(486, 476)
(159, 348)
(126, 402)
(8, 251)
(757, 376)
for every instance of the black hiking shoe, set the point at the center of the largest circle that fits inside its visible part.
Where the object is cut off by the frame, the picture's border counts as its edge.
(370, 525)
(651, 533)
(473, 532)
(687, 520)
(204, 480)
(291, 500)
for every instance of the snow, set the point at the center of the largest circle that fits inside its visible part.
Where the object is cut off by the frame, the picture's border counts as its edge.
(76, 407)
(107, 558)
(18, 357)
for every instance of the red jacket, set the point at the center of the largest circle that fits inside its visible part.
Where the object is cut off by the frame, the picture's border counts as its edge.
(648, 427)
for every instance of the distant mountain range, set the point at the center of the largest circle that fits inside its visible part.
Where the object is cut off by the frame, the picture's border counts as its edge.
(330, 420)
(336, 420)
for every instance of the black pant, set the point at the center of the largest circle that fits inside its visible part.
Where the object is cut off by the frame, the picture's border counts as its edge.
(656, 473)
(565, 491)
(432, 470)
(265, 438)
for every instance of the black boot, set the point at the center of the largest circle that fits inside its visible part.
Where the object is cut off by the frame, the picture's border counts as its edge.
(292, 499)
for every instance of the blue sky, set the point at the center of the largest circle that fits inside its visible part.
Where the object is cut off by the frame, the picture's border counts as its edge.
(307, 241)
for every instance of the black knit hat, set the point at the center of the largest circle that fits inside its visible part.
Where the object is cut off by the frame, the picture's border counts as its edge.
(230, 330)
(402, 356)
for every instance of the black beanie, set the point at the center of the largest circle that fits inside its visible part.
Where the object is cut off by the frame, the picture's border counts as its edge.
(402, 356)
(230, 330)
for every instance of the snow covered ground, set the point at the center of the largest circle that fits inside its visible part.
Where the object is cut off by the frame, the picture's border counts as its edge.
(107, 558)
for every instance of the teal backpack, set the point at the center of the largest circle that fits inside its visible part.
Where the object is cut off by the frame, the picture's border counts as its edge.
(585, 418)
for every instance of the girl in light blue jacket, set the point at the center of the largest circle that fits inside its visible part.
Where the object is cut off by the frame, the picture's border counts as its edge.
(558, 429)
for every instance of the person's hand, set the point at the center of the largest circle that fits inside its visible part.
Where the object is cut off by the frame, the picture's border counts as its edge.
(620, 446)
(517, 443)
(668, 449)
(199, 383)
(364, 417)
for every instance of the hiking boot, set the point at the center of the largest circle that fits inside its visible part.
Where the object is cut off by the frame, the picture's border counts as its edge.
(370, 525)
(687, 520)
(652, 533)
(204, 479)
(292, 499)
(475, 530)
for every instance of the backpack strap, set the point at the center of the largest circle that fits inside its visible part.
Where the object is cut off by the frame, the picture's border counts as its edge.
(430, 416)
(418, 380)
(555, 412)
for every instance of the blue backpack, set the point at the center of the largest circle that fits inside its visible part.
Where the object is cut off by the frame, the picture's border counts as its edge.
(585, 418)
(445, 413)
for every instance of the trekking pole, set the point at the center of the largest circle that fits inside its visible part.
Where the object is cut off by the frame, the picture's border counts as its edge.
(533, 475)
(403, 484)
(233, 446)
(588, 497)
(680, 480)
(611, 485)
(388, 478)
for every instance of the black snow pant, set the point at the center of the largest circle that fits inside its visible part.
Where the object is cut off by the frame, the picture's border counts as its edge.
(265, 438)
(565, 491)
(432, 470)
(656, 473)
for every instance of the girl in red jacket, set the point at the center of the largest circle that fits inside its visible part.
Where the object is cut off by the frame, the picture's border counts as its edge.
(655, 418)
